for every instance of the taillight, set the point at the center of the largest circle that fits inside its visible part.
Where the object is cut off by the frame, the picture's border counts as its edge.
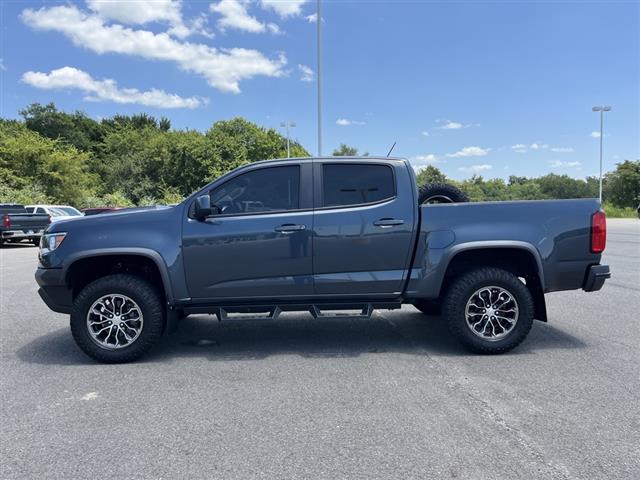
(598, 232)
(6, 221)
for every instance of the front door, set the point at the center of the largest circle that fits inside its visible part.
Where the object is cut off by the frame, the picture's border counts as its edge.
(363, 227)
(260, 243)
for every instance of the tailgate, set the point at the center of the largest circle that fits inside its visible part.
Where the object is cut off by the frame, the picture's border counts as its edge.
(28, 221)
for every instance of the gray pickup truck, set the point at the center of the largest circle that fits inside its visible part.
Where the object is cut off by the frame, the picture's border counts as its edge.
(17, 224)
(323, 235)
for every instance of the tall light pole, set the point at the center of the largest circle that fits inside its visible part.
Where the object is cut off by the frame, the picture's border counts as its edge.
(601, 109)
(319, 69)
(288, 125)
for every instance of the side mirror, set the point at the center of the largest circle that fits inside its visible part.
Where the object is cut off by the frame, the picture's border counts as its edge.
(203, 207)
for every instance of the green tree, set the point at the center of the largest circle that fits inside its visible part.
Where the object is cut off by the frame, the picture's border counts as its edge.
(430, 174)
(32, 162)
(345, 151)
(75, 129)
(623, 185)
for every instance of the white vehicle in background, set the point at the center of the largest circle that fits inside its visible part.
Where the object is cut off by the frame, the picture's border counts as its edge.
(56, 212)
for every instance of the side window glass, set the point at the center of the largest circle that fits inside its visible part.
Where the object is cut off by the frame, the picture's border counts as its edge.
(40, 210)
(353, 184)
(263, 190)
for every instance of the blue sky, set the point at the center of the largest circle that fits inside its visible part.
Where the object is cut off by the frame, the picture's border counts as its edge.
(495, 88)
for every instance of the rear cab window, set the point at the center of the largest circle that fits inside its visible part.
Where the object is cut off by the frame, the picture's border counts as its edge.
(352, 184)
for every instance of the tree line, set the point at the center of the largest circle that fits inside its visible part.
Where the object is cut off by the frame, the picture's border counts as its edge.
(51, 156)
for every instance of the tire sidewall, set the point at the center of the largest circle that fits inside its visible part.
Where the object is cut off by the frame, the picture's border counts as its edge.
(454, 309)
(140, 292)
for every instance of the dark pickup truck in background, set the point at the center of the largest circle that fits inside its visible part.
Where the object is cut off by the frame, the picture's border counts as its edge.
(17, 224)
(323, 235)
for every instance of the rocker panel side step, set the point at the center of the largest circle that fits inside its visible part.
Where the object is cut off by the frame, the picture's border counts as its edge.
(271, 312)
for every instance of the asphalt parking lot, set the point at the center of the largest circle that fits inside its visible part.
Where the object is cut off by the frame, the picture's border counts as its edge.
(391, 397)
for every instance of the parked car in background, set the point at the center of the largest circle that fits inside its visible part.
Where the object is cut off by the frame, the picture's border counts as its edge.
(323, 235)
(97, 210)
(57, 212)
(18, 224)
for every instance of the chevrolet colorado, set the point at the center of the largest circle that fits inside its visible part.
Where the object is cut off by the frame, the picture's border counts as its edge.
(323, 235)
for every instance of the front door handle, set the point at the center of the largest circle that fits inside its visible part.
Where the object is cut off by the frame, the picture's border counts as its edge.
(289, 228)
(388, 222)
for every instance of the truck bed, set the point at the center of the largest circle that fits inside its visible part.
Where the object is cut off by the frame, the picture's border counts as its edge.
(556, 233)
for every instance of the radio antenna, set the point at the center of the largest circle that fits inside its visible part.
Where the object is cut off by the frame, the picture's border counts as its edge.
(391, 149)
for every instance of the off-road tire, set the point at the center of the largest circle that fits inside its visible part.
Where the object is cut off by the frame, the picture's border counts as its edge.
(440, 193)
(463, 288)
(140, 292)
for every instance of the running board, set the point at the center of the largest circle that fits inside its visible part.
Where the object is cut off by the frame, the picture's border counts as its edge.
(272, 312)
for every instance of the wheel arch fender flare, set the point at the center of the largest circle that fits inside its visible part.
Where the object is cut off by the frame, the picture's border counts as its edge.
(537, 291)
(152, 255)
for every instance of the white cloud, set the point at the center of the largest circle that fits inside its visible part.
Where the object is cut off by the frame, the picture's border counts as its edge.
(451, 125)
(559, 164)
(470, 152)
(2, 67)
(522, 148)
(476, 168)
(597, 134)
(139, 12)
(284, 8)
(235, 16)
(222, 68)
(306, 73)
(313, 18)
(345, 122)
(425, 133)
(562, 149)
(107, 90)
(420, 160)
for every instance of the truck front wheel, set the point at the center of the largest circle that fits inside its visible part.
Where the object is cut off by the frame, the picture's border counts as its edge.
(489, 310)
(117, 318)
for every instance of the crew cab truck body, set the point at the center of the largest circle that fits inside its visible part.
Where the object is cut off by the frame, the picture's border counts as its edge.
(16, 224)
(323, 235)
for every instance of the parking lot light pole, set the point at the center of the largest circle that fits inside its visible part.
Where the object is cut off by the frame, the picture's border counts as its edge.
(319, 68)
(288, 125)
(601, 109)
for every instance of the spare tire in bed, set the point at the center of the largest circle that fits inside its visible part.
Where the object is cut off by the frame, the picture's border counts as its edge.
(440, 193)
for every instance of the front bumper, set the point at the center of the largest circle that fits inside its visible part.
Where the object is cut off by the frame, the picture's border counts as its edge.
(53, 290)
(596, 276)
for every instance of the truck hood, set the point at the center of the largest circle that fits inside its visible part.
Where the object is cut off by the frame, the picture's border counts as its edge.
(116, 218)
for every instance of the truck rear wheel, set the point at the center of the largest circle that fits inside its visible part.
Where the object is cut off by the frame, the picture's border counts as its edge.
(117, 318)
(440, 193)
(489, 310)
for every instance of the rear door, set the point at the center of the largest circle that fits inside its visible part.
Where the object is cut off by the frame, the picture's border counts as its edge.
(260, 245)
(364, 220)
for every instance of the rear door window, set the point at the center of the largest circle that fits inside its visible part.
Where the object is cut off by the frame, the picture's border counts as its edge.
(356, 184)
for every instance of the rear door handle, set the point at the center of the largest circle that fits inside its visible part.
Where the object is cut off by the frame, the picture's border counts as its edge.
(289, 228)
(388, 222)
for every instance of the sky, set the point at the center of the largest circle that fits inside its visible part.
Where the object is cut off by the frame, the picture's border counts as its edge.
(495, 88)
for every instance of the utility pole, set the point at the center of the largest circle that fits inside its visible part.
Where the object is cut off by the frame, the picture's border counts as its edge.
(319, 68)
(288, 125)
(601, 109)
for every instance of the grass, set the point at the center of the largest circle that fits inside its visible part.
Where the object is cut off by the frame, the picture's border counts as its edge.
(619, 212)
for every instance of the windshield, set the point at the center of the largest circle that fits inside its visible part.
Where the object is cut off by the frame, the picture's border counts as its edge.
(64, 212)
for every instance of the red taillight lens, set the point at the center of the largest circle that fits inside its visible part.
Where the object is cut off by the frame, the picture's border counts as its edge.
(6, 221)
(598, 232)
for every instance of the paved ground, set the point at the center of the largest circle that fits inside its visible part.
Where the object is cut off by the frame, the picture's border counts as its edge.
(393, 397)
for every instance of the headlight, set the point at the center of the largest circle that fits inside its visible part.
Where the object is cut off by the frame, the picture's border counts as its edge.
(50, 241)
